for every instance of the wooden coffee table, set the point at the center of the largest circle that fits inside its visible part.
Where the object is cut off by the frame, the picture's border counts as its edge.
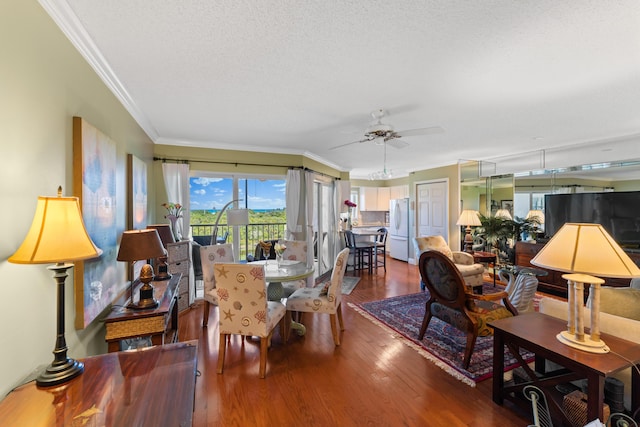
(536, 332)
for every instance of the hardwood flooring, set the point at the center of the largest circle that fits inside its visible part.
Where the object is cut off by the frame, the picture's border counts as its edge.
(372, 379)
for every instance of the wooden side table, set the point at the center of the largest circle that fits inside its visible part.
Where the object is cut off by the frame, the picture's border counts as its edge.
(486, 257)
(152, 387)
(160, 323)
(537, 332)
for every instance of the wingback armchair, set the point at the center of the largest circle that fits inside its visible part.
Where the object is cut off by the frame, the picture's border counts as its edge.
(470, 270)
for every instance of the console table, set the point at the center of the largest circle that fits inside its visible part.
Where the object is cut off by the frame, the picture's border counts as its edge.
(536, 332)
(160, 323)
(154, 386)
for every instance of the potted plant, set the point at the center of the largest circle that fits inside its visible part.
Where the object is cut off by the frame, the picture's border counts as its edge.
(496, 230)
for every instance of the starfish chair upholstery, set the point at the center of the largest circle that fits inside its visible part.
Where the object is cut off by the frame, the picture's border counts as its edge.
(296, 250)
(209, 255)
(471, 271)
(244, 308)
(323, 298)
(452, 302)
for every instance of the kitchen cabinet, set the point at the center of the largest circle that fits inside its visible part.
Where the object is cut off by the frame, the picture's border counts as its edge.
(374, 198)
(399, 192)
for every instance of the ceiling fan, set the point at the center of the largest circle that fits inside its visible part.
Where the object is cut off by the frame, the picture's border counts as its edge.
(382, 133)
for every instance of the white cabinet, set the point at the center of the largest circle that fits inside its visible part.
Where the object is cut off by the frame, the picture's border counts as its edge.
(399, 192)
(179, 261)
(374, 198)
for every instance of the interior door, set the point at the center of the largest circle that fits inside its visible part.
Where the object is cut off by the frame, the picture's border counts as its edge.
(432, 213)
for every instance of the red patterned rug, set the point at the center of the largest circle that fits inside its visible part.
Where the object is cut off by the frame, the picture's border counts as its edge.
(442, 344)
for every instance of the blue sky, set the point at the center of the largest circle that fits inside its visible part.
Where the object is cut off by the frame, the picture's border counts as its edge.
(207, 193)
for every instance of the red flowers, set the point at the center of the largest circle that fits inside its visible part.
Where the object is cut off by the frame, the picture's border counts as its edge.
(349, 203)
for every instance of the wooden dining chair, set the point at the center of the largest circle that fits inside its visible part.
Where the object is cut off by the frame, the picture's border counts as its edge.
(244, 308)
(323, 298)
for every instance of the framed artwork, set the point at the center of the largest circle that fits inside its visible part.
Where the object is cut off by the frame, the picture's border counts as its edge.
(507, 204)
(97, 281)
(136, 193)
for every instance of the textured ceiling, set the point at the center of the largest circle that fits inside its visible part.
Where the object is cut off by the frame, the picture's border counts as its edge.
(291, 76)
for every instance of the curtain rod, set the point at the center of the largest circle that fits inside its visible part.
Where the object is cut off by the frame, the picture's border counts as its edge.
(168, 159)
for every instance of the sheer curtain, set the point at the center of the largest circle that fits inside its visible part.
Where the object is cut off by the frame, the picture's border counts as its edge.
(293, 194)
(310, 205)
(176, 181)
(342, 191)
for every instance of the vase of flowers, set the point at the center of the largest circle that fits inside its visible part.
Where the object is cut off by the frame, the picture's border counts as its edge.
(279, 248)
(350, 205)
(174, 212)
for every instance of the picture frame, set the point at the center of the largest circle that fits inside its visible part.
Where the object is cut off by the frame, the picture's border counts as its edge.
(507, 204)
(97, 282)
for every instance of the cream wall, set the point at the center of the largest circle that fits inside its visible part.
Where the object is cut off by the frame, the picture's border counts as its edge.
(44, 82)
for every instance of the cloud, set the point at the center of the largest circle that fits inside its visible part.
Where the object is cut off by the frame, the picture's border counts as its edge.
(206, 181)
(200, 192)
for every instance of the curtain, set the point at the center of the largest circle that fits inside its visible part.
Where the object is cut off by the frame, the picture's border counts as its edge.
(342, 192)
(293, 192)
(310, 210)
(176, 182)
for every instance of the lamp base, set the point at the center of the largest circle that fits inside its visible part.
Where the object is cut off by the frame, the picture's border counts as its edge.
(60, 373)
(146, 298)
(588, 344)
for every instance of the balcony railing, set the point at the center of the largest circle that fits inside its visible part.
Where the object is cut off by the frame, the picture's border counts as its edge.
(250, 234)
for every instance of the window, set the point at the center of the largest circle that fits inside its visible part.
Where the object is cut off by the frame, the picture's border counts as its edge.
(264, 196)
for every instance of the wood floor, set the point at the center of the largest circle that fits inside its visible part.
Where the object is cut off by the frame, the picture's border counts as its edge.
(372, 379)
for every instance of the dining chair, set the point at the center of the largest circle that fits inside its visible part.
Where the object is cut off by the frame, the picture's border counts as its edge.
(296, 250)
(209, 255)
(380, 249)
(323, 298)
(244, 308)
(454, 303)
(360, 250)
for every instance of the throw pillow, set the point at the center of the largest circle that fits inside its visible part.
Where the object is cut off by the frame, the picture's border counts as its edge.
(623, 302)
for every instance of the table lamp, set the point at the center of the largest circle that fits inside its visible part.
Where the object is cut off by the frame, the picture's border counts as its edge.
(234, 217)
(537, 215)
(504, 214)
(584, 250)
(164, 231)
(57, 235)
(468, 218)
(139, 245)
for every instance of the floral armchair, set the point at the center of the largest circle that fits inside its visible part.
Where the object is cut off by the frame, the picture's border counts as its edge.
(208, 256)
(244, 308)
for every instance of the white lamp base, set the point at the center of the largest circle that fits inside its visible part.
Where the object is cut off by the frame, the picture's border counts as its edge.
(588, 344)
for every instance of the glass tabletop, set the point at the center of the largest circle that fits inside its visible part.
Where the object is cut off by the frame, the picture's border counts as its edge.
(288, 270)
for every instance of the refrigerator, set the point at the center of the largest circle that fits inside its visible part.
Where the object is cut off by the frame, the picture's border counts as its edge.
(398, 236)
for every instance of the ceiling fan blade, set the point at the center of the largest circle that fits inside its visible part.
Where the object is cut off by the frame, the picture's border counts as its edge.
(350, 143)
(421, 131)
(396, 143)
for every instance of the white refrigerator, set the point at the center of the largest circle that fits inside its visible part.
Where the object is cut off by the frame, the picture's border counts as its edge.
(399, 229)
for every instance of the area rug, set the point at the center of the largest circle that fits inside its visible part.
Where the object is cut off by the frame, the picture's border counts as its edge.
(442, 344)
(348, 283)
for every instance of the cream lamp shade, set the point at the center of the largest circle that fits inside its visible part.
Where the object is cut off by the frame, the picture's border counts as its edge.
(57, 236)
(503, 213)
(585, 251)
(536, 213)
(238, 216)
(468, 218)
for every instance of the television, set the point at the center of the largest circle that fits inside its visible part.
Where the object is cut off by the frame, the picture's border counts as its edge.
(617, 212)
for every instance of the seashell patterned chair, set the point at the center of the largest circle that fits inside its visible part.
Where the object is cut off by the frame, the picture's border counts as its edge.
(244, 308)
(208, 256)
(296, 250)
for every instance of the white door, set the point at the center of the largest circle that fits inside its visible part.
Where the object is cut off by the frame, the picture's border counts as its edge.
(432, 214)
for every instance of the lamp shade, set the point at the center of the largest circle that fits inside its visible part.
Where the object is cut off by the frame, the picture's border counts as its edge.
(57, 234)
(238, 216)
(536, 213)
(139, 245)
(469, 217)
(503, 213)
(586, 249)
(164, 231)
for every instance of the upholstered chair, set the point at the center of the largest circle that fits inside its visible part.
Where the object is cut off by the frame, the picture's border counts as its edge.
(471, 271)
(323, 298)
(244, 308)
(521, 289)
(208, 256)
(296, 250)
(451, 301)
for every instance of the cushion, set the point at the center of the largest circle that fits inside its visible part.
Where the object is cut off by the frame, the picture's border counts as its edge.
(436, 243)
(623, 302)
